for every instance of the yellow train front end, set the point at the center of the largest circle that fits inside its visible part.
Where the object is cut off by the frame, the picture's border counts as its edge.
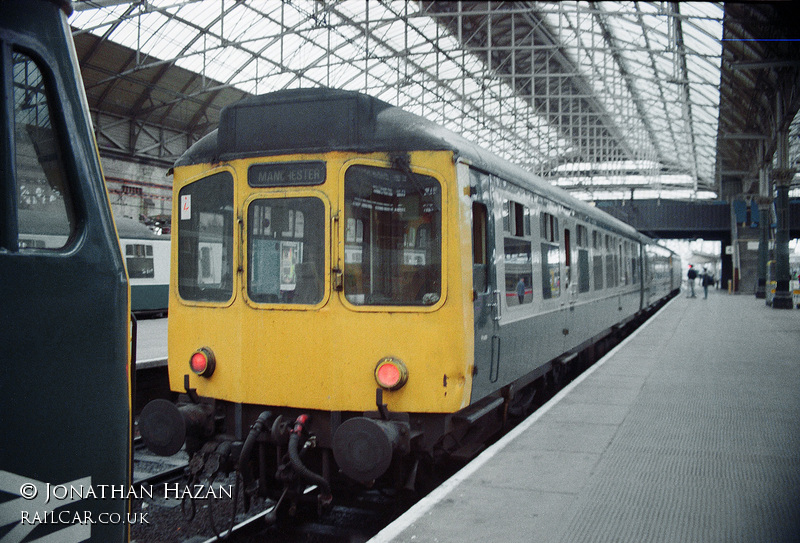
(300, 292)
(321, 305)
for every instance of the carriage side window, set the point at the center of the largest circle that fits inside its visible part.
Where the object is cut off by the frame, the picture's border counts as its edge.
(635, 263)
(394, 255)
(139, 261)
(612, 275)
(551, 257)
(205, 239)
(286, 250)
(597, 259)
(517, 251)
(583, 259)
(44, 211)
(625, 259)
(549, 227)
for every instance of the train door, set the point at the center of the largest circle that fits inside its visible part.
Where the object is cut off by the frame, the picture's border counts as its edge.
(64, 390)
(486, 294)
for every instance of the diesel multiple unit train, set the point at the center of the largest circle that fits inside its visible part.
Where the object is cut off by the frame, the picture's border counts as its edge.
(65, 415)
(357, 292)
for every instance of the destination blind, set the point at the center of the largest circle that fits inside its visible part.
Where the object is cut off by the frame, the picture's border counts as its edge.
(286, 174)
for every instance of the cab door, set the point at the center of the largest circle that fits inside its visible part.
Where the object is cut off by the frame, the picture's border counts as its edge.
(486, 295)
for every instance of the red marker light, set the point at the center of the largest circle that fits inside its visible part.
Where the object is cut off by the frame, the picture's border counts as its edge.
(391, 374)
(203, 362)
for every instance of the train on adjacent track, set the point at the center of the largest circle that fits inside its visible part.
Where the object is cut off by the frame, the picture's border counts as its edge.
(147, 260)
(65, 338)
(357, 293)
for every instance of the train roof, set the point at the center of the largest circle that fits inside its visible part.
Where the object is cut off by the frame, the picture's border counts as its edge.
(322, 120)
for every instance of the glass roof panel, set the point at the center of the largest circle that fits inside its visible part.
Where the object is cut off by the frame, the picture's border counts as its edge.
(629, 88)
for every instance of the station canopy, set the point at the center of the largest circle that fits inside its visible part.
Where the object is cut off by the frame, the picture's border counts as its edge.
(604, 99)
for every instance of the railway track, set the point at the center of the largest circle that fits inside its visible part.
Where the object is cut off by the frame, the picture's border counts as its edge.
(176, 510)
(150, 469)
(174, 517)
(353, 522)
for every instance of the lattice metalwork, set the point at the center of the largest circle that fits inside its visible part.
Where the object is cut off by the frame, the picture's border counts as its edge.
(606, 99)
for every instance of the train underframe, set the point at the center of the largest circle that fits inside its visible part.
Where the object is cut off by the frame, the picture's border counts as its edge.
(287, 451)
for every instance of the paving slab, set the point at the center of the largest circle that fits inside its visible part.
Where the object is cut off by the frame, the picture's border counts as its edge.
(688, 431)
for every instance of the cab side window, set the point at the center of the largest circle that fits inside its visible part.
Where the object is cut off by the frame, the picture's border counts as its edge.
(38, 206)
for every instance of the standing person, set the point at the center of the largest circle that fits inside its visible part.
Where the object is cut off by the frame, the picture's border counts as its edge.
(691, 275)
(521, 290)
(707, 280)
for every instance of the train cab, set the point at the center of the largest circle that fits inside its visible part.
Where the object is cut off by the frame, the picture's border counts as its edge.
(64, 333)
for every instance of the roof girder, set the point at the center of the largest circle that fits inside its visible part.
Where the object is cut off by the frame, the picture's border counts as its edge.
(541, 61)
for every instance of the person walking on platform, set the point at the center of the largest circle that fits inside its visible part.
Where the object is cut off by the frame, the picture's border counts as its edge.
(691, 275)
(707, 280)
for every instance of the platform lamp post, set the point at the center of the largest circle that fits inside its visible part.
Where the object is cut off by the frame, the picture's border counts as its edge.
(783, 295)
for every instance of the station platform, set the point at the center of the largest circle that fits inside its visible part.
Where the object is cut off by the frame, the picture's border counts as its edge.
(151, 343)
(689, 430)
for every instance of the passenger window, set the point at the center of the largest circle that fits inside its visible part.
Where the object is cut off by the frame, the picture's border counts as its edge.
(205, 239)
(44, 213)
(139, 261)
(611, 272)
(583, 259)
(517, 249)
(549, 228)
(597, 259)
(286, 250)
(625, 262)
(551, 257)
